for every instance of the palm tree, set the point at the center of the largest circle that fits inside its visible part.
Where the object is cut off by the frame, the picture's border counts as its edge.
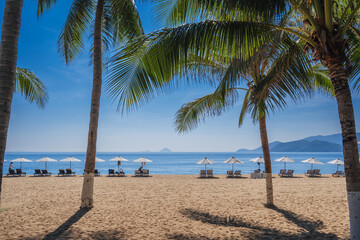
(109, 22)
(8, 56)
(234, 28)
(31, 87)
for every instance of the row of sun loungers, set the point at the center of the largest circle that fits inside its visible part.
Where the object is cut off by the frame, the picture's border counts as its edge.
(284, 173)
(18, 173)
(313, 173)
(232, 174)
(206, 174)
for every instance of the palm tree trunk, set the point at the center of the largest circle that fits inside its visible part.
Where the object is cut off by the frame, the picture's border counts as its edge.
(267, 159)
(88, 184)
(8, 56)
(339, 80)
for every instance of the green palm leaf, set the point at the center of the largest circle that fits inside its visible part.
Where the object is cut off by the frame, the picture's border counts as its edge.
(31, 87)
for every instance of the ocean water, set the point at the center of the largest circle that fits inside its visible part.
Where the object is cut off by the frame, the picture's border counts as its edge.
(173, 163)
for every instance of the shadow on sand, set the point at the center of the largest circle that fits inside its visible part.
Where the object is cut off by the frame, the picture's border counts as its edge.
(66, 225)
(309, 228)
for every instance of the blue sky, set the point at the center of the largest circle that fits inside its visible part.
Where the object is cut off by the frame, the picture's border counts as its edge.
(63, 125)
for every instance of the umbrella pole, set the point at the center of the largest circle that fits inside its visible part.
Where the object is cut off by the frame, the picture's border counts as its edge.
(285, 165)
(45, 165)
(233, 167)
(337, 167)
(205, 167)
(70, 165)
(20, 165)
(312, 166)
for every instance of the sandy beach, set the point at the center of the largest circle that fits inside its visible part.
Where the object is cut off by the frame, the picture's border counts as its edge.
(174, 207)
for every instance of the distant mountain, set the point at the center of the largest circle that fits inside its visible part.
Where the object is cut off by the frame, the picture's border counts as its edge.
(328, 143)
(334, 138)
(166, 150)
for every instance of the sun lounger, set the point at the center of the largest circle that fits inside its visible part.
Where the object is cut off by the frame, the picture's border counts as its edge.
(145, 173)
(317, 173)
(138, 173)
(203, 173)
(282, 173)
(338, 174)
(96, 173)
(257, 171)
(237, 173)
(229, 174)
(12, 173)
(20, 172)
(45, 172)
(37, 172)
(61, 172)
(290, 173)
(209, 173)
(111, 173)
(309, 173)
(69, 172)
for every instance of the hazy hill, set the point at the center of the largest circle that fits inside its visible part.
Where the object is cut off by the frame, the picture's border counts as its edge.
(328, 143)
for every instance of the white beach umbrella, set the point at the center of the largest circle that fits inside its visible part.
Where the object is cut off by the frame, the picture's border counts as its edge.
(142, 160)
(99, 160)
(284, 159)
(338, 162)
(205, 161)
(118, 159)
(21, 160)
(312, 161)
(233, 160)
(70, 159)
(257, 160)
(46, 160)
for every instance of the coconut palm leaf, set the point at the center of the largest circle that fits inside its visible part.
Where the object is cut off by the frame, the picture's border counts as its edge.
(152, 62)
(31, 87)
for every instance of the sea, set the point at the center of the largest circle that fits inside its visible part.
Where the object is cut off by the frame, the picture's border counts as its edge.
(172, 163)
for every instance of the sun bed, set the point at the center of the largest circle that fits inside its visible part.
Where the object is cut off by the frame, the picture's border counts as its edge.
(309, 173)
(45, 172)
(209, 173)
(20, 172)
(229, 174)
(202, 173)
(338, 174)
(282, 173)
(257, 174)
(37, 173)
(111, 173)
(61, 172)
(69, 172)
(12, 173)
(96, 173)
(145, 173)
(237, 173)
(138, 173)
(317, 173)
(290, 173)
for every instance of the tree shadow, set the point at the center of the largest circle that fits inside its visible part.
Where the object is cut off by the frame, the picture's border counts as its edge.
(66, 225)
(309, 228)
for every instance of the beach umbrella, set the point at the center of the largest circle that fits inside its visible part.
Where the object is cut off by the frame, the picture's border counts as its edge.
(143, 160)
(205, 161)
(118, 159)
(258, 160)
(312, 161)
(46, 160)
(21, 160)
(99, 160)
(338, 162)
(284, 159)
(233, 160)
(70, 159)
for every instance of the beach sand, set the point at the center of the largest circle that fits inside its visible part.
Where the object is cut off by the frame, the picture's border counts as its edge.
(174, 207)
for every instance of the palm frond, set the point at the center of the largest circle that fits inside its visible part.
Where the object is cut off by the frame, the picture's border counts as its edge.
(150, 62)
(71, 40)
(31, 87)
(44, 5)
(191, 114)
